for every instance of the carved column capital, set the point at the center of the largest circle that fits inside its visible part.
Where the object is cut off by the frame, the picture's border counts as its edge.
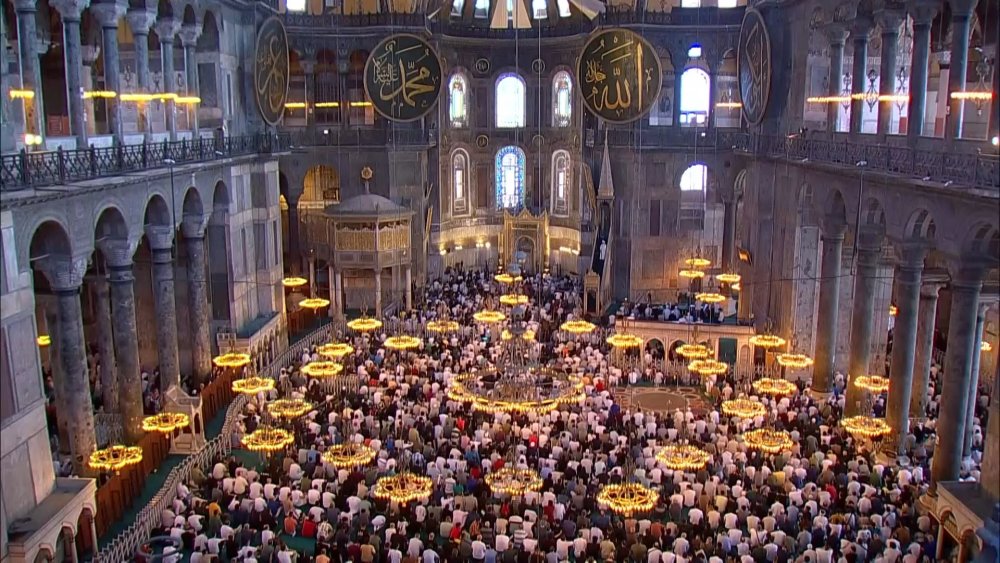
(836, 33)
(108, 14)
(70, 10)
(25, 5)
(140, 21)
(189, 34)
(161, 237)
(912, 254)
(167, 29)
(193, 227)
(923, 11)
(65, 273)
(118, 253)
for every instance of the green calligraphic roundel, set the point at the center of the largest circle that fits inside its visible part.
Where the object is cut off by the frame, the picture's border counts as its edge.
(271, 70)
(754, 66)
(403, 77)
(619, 75)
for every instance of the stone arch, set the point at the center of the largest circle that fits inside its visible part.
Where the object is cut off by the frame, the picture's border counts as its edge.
(655, 347)
(157, 212)
(208, 41)
(835, 207)
(192, 207)
(921, 225)
(45, 554)
(872, 213)
(740, 183)
(50, 238)
(983, 240)
(164, 9)
(321, 183)
(110, 223)
(189, 16)
(220, 197)
(672, 354)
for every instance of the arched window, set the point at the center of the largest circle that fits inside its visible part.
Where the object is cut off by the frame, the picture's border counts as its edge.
(510, 101)
(458, 93)
(695, 97)
(510, 177)
(562, 99)
(690, 3)
(563, 6)
(460, 181)
(540, 8)
(456, 8)
(481, 9)
(561, 181)
(295, 5)
(695, 178)
(727, 3)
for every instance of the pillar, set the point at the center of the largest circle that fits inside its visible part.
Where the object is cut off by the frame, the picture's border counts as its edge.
(107, 15)
(166, 30)
(837, 36)
(70, 11)
(728, 235)
(859, 70)
(65, 275)
(904, 342)
(199, 313)
(161, 242)
(829, 303)
(713, 94)
(862, 315)
(680, 61)
(27, 43)
(105, 345)
(378, 293)
(312, 275)
(139, 21)
(189, 41)
(923, 13)
(889, 21)
(973, 392)
(966, 285)
(59, 395)
(118, 255)
(89, 54)
(409, 288)
(309, 89)
(293, 235)
(334, 295)
(924, 348)
(961, 27)
(339, 285)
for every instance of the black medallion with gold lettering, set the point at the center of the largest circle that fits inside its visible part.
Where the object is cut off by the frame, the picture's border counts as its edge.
(619, 75)
(271, 70)
(403, 77)
(754, 66)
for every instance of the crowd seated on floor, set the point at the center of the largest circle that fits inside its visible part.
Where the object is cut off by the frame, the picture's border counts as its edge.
(825, 500)
(685, 310)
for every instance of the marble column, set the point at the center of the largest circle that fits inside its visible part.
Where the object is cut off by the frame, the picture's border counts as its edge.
(378, 293)
(339, 288)
(973, 391)
(966, 285)
(862, 315)
(409, 288)
(140, 21)
(728, 235)
(108, 14)
(27, 43)
(70, 11)
(118, 254)
(293, 235)
(859, 70)
(199, 313)
(889, 21)
(923, 13)
(924, 349)
(89, 55)
(161, 242)
(59, 391)
(309, 89)
(829, 303)
(105, 345)
(904, 342)
(166, 30)
(836, 34)
(189, 41)
(312, 275)
(961, 29)
(334, 296)
(65, 276)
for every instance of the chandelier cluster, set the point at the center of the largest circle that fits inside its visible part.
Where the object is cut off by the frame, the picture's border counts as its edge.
(364, 324)
(268, 439)
(253, 385)
(115, 458)
(322, 369)
(794, 361)
(624, 340)
(767, 340)
(335, 350)
(768, 440)
(520, 390)
(288, 408)
(872, 383)
(743, 408)
(348, 455)
(231, 360)
(693, 351)
(774, 387)
(442, 326)
(165, 422)
(507, 278)
(708, 367)
(294, 281)
(710, 297)
(683, 457)
(402, 342)
(513, 481)
(403, 487)
(578, 327)
(513, 299)
(314, 303)
(729, 278)
(691, 274)
(627, 499)
(528, 335)
(866, 426)
(489, 317)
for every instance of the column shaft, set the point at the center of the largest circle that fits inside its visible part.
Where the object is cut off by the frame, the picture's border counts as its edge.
(191, 73)
(339, 285)
(887, 78)
(728, 235)
(973, 392)
(58, 379)
(409, 289)
(378, 293)
(858, 77)
(166, 315)
(961, 25)
(105, 346)
(862, 314)
(924, 349)
(127, 350)
(904, 341)
(111, 82)
(947, 459)
(73, 364)
(293, 236)
(829, 303)
(169, 84)
(201, 342)
(918, 78)
(836, 72)
(142, 81)
(30, 73)
(74, 80)
(334, 296)
(678, 73)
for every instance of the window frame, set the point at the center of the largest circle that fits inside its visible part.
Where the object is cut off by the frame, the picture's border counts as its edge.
(460, 203)
(463, 121)
(560, 203)
(558, 120)
(506, 106)
(500, 172)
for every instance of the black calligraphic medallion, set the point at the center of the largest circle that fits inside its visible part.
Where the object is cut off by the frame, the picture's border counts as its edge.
(754, 66)
(271, 70)
(403, 77)
(619, 75)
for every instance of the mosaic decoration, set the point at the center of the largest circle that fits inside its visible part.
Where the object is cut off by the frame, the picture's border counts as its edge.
(403, 77)
(271, 70)
(619, 75)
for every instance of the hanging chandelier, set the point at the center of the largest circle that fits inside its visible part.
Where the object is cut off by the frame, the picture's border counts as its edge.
(509, 480)
(294, 281)
(768, 440)
(736, 286)
(348, 455)
(252, 385)
(708, 366)
(364, 324)
(627, 499)
(442, 326)
(43, 340)
(743, 408)
(893, 310)
(268, 439)
(507, 278)
(403, 487)
(873, 383)
(794, 361)
(528, 335)
(985, 346)
(680, 457)
(693, 351)
(335, 350)
(231, 360)
(710, 297)
(288, 408)
(513, 299)
(489, 317)
(729, 278)
(402, 342)
(165, 422)
(691, 274)
(519, 389)
(774, 387)
(698, 263)
(622, 341)
(322, 369)
(578, 327)
(115, 458)
(767, 340)
(314, 303)
(866, 426)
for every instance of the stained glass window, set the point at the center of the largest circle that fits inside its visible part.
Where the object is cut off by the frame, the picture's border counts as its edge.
(510, 177)
(459, 174)
(562, 101)
(510, 101)
(458, 102)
